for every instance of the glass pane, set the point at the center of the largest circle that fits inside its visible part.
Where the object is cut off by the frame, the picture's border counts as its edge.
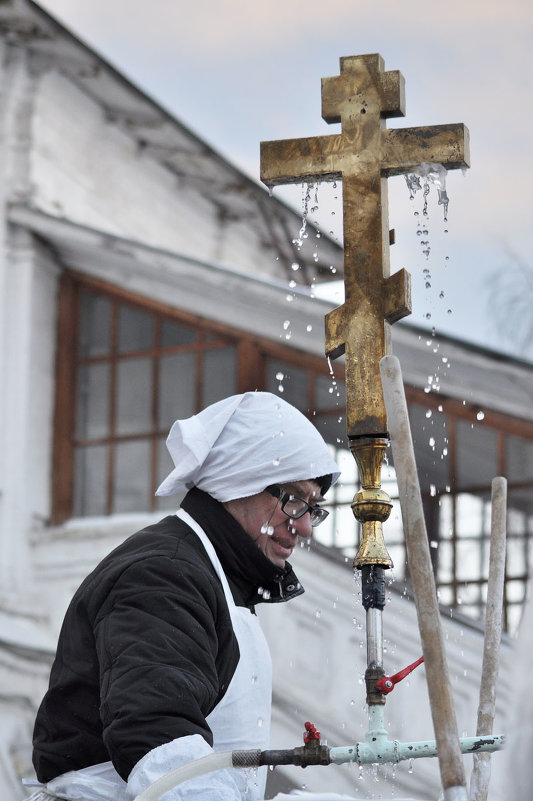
(330, 393)
(95, 326)
(219, 374)
(467, 560)
(430, 438)
(131, 491)
(164, 466)
(519, 459)
(90, 481)
(477, 455)
(289, 382)
(134, 396)
(331, 429)
(135, 330)
(445, 596)
(177, 388)
(516, 556)
(92, 414)
(176, 334)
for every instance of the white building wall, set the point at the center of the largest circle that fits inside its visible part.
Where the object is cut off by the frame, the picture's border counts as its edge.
(61, 152)
(89, 169)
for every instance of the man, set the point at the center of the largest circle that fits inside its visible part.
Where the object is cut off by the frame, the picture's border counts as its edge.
(161, 658)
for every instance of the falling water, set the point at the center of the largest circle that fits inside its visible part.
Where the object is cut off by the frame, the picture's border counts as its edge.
(425, 176)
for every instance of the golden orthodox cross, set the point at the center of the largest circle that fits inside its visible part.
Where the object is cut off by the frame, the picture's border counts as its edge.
(363, 156)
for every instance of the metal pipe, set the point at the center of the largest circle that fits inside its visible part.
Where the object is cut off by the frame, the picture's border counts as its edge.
(382, 751)
(442, 710)
(316, 754)
(374, 637)
(479, 781)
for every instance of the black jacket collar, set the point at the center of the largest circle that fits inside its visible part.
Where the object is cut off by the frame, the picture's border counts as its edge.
(252, 577)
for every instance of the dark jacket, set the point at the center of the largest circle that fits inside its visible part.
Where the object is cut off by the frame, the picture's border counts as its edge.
(147, 650)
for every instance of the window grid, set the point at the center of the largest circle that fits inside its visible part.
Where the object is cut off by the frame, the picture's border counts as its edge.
(307, 382)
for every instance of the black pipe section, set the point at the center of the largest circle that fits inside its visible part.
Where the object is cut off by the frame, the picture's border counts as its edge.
(302, 756)
(373, 586)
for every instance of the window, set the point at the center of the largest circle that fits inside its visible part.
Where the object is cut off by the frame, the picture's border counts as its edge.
(132, 371)
(128, 367)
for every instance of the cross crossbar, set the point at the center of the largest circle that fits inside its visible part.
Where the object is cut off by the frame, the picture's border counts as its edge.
(363, 156)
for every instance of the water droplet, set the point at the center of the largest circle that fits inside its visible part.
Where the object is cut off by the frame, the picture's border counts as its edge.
(480, 415)
(292, 284)
(434, 544)
(295, 266)
(279, 375)
(289, 298)
(318, 613)
(259, 722)
(429, 413)
(309, 328)
(276, 462)
(432, 487)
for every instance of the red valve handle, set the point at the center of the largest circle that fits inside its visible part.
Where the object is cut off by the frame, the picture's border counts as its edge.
(310, 733)
(386, 684)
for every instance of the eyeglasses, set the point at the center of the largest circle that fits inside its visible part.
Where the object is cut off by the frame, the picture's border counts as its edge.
(297, 507)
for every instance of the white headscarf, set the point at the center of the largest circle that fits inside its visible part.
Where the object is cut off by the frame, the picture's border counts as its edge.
(242, 444)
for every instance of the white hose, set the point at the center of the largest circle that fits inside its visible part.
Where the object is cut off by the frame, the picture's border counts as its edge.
(207, 764)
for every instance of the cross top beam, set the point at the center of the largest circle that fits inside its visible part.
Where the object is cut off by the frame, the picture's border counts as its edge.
(363, 156)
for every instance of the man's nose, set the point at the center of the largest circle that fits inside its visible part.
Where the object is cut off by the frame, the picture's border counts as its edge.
(302, 527)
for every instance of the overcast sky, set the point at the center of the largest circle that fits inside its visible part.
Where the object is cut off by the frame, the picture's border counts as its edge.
(238, 72)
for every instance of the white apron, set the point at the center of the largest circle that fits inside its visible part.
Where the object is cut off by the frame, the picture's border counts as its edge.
(241, 720)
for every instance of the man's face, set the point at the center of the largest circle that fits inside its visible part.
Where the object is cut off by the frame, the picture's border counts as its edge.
(272, 530)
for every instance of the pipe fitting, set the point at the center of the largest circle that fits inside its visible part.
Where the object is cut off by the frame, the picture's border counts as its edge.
(373, 675)
(311, 754)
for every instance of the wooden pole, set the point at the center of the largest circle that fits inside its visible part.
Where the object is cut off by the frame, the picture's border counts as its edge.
(479, 781)
(439, 690)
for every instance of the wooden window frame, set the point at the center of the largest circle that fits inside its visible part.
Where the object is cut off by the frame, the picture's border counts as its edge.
(252, 353)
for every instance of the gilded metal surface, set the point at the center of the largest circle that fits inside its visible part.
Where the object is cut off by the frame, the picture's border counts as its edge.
(363, 155)
(371, 505)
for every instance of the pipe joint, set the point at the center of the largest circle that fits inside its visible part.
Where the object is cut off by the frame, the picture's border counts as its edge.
(373, 675)
(312, 754)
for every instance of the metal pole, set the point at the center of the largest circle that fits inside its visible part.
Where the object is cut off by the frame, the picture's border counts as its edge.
(442, 710)
(479, 781)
